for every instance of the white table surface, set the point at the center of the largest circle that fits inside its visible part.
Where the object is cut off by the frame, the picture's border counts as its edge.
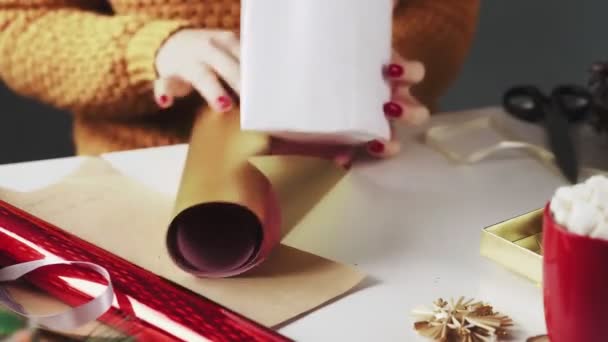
(413, 224)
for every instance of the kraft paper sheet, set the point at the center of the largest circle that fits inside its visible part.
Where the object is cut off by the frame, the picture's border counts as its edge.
(104, 207)
(229, 185)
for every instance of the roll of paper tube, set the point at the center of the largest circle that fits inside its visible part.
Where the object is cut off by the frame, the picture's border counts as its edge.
(235, 202)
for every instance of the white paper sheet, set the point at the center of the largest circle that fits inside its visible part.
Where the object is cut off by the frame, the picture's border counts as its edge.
(312, 69)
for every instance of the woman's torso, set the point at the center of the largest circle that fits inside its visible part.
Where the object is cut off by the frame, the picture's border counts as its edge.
(160, 127)
(217, 14)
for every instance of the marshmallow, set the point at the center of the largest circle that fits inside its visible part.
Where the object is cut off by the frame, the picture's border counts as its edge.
(560, 210)
(583, 208)
(583, 218)
(601, 231)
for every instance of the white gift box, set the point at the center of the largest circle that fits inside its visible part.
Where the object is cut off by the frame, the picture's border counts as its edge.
(312, 69)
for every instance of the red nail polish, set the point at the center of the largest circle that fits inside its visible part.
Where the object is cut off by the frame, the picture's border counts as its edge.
(163, 100)
(395, 71)
(225, 102)
(393, 110)
(376, 147)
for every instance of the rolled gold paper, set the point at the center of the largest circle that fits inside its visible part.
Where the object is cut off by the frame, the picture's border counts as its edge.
(235, 203)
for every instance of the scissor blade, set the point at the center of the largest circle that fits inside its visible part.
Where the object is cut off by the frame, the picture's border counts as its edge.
(561, 144)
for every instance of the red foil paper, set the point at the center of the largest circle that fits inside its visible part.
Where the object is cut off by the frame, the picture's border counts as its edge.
(172, 312)
(575, 284)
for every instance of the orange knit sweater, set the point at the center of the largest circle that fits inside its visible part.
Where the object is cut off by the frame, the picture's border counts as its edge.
(95, 58)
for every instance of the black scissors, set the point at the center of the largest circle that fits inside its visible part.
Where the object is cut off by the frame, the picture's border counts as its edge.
(567, 105)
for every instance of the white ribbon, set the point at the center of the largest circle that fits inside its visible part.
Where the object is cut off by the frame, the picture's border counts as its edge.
(67, 320)
(438, 138)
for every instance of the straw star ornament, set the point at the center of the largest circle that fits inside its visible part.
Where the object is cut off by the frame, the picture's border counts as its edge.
(461, 321)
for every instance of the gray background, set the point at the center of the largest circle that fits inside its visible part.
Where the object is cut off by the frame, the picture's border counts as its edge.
(543, 42)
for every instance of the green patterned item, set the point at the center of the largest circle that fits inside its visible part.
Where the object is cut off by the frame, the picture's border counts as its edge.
(10, 323)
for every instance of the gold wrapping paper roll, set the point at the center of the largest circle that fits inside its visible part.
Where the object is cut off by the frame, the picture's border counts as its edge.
(235, 202)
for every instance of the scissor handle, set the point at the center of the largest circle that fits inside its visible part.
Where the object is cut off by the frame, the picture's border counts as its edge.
(575, 102)
(525, 103)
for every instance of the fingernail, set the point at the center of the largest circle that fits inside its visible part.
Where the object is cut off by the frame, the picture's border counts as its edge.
(164, 100)
(376, 147)
(393, 110)
(344, 161)
(395, 71)
(224, 102)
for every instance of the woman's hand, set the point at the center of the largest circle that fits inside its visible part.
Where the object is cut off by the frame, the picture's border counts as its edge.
(205, 61)
(402, 108)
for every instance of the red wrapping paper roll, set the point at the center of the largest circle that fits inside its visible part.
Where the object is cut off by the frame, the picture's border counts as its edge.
(146, 307)
(575, 284)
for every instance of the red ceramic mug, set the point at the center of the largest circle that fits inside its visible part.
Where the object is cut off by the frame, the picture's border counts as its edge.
(575, 284)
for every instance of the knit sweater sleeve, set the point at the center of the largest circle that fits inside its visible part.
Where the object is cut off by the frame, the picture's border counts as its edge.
(66, 54)
(438, 33)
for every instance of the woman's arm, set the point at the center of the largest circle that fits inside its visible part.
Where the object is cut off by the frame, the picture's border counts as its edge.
(67, 54)
(438, 33)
